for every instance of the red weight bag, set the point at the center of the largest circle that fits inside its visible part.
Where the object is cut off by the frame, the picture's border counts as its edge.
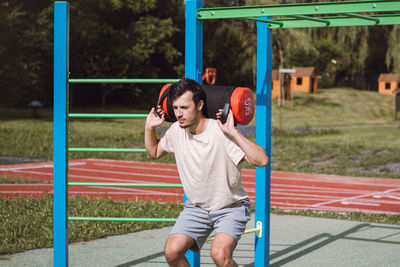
(239, 99)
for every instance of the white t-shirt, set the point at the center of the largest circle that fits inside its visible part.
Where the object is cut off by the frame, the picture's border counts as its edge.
(207, 165)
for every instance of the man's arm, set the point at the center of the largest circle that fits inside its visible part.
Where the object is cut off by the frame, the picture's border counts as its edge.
(254, 154)
(152, 144)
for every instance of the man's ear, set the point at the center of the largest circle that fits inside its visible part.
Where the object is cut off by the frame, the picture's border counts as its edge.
(200, 105)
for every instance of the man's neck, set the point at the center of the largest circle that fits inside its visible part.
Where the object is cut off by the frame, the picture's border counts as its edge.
(199, 127)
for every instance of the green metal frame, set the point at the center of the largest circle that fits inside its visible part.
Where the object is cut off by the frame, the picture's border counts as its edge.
(106, 149)
(308, 15)
(163, 185)
(123, 80)
(121, 219)
(106, 115)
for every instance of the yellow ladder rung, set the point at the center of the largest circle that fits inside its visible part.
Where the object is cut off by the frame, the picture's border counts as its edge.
(257, 230)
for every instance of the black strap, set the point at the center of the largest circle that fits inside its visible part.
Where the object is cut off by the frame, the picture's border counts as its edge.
(164, 95)
(171, 115)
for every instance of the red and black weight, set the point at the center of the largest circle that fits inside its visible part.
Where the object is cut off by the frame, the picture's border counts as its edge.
(239, 99)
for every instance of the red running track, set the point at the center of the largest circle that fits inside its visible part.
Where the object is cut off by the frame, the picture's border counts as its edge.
(289, 190)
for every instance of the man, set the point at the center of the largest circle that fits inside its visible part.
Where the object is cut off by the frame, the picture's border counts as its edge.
(208, 156)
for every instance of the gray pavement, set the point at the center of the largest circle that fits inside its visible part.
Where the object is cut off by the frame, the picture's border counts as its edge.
(295, 241)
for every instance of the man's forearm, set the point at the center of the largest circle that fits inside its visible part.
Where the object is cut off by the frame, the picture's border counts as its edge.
(255, 154)
(150, 142)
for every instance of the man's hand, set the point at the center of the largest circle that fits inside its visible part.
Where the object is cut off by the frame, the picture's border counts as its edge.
(153, 119)
(229, 126)
(153, 148)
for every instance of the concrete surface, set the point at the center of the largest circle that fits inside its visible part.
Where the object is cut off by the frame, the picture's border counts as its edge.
(295, 241)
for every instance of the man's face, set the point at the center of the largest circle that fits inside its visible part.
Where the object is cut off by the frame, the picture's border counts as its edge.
(185, 110)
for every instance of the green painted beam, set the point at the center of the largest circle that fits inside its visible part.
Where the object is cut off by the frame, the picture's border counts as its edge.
(123, 80)
(299, 9)
(159, 185)
(355, 15)
(106, 115)
(117, 219)
(89, 149)
(315, 19)
(337, 21)
(265, 20)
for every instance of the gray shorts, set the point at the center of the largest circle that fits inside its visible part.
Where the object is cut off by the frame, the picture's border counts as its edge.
(198, 223)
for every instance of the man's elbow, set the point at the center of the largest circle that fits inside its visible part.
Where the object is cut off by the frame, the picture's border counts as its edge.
(152, 156)
(262, 162)
(155, 155)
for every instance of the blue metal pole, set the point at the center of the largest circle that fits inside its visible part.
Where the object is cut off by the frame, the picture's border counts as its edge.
(263, 138)
(193, 68)
(193, 41)
(60, 158)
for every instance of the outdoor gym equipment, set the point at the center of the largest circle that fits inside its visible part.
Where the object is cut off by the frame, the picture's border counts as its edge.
(325, 14)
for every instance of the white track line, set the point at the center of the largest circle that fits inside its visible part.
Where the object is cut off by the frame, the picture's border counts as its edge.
(40, 166)
(354, 197)
(299, 188)
(393, 197)
(133, 167)
(126, 173)
(133, 190)
(344, 182)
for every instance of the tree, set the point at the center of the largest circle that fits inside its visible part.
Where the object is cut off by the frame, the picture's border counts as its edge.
(21, 51)
(392, 55)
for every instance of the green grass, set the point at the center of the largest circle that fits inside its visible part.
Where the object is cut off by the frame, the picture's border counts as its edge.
(336, 107)
(28, 223)
(336, 131)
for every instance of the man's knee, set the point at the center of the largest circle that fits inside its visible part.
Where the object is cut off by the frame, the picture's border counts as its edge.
(221, 256)
(222, 249)
(176, 246)
(172, 251)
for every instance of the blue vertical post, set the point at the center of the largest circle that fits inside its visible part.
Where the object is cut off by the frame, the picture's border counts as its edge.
(60, 157)
(263, 138)
(193, 67)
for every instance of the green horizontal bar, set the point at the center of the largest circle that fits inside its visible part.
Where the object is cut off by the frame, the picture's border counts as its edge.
(106, 115)
(320, 20)
(338, 21)
(354, 15)
(117, 219)
(88, 149)
(163, 185)
(123, 80)
(266, 21)
(299, 9)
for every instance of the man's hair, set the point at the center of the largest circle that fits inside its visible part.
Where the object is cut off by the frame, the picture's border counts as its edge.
(185, 85)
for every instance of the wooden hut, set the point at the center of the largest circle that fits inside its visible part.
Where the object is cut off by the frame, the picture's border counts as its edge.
(388, 82)
(305, 80)
(275, 84)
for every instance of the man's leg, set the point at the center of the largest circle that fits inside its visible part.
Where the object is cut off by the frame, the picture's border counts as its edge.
(222, 249)
(175, 248)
